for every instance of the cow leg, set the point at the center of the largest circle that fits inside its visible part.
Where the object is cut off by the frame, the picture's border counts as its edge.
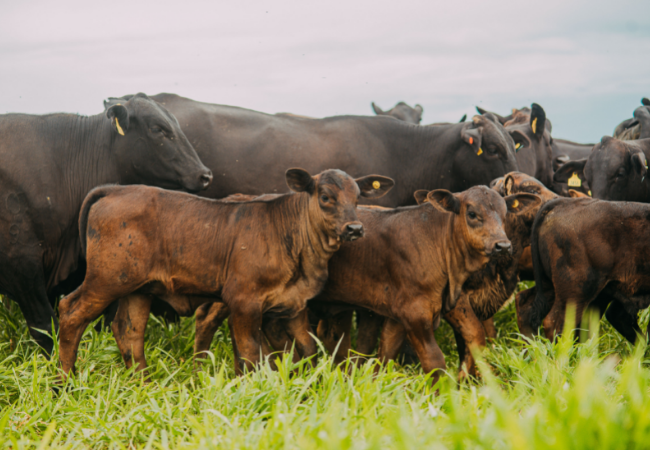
(624, 322)
(393, 335)
(276, 334)
(335, 333)
(76, 311)
(464, 322)
(246, 330)
(369, 327)
(299, 329)
(209, 317)
(490, 329)
(420, 326)
(129, 326)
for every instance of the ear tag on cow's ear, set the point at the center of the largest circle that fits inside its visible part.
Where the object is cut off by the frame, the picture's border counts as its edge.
(376, 184)
(589, 192)
(515, 204)
(480, 151)
(575, 180)
(534, 125)
(471, 140)
(517, 146)
(119, 128)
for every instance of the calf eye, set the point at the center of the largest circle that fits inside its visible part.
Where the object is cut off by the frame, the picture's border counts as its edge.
(324, 198)
(471, 215)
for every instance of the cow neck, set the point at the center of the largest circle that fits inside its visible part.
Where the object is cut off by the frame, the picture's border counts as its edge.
(84, 153)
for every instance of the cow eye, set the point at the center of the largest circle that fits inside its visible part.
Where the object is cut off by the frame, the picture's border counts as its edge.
(324, 198)
(492, 150)
(471, 215)
(156, 130)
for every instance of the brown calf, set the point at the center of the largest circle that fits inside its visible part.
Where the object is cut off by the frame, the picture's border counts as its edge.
(261, 257)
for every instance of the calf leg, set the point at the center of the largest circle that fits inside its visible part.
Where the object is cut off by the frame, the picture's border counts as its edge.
(129, 326)
(335, 333)
(490, 329)
(465, 323)
(393, 335)
(276, 334)
(369, 328)
(299, 329)
(624, 322)
(209, 317)
(246, 329)
(76, 311)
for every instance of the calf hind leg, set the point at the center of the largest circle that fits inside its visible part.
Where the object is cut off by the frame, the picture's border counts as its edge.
(129, 326)
(209, 317)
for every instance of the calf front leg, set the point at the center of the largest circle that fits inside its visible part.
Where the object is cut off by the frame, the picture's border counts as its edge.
(246, 330)
(299, 329)
(470, 329)
(129, 326)
(392, 338)
(490, 329)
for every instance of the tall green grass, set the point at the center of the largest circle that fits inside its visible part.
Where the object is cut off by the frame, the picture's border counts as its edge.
(532, 395)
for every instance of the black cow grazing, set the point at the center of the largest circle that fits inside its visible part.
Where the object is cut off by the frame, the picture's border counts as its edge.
(615, 170)
(531, 132)
(402, 112)
(50, 163)
(638, 127)
(247, 149)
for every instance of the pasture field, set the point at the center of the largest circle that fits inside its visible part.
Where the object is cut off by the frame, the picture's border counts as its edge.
(537, 395)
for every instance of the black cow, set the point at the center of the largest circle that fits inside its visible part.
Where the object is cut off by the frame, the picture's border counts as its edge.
(615, 170)
(573, 150)
(246, 148)
(49, 164)
(402, 112)
(638, 127)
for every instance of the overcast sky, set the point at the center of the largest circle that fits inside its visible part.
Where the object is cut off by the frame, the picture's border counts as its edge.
(586, 62)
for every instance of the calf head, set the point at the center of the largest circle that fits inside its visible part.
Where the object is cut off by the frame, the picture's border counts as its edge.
(401, 111)
(150, 147)
(517, 182)
(333, 197)
(617, 170)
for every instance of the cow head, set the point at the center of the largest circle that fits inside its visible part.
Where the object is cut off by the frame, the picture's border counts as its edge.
(333, 197)
(480, 215)
(517, 183)
(401, 111)
(617, 170)
(150, 147)
(571, 176)
(638, 127)
(487, 152)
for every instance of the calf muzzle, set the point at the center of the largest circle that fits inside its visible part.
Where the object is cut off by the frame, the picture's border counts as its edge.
(352, 231)
(501, 247)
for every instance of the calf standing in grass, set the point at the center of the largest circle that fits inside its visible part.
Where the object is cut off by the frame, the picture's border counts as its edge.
(260, 257)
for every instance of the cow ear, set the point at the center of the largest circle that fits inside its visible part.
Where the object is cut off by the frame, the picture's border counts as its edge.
(537, 120)
(377, 109)
(571, 173)
(497, 185)
(645, 101)
(639, 163)
(374, 186)
(559, 161)
(444, 201)
(119, 117)
(642, 114)
(522, 203)
(419, 109)
(483, 112)
(577, 194)
(472, 136)
(508, 185)
(521, 140)
(299, 180)
(463, 119)
(420, 196)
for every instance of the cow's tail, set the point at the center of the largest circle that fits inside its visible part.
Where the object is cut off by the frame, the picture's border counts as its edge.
(540, 307)
(93, 197)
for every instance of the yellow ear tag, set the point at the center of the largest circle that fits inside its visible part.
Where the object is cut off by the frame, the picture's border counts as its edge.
(515, 204)
(480, 151)
(534, 125)
(589, 193)
(119, 128)
(575, 180)
(376, 184)
(517, 145)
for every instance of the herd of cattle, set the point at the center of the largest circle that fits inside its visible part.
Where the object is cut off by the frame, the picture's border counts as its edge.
(92, 210)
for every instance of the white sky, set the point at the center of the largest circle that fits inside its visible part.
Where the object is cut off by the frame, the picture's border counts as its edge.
(586, 62)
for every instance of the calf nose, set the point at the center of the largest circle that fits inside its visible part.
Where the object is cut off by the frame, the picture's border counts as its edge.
(502, 247)
(353, 231)
(206, 179)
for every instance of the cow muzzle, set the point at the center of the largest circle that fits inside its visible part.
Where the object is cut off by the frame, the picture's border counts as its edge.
(501, 248)
(352, 231)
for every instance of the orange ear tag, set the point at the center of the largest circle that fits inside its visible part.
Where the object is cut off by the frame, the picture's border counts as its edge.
(376, 184)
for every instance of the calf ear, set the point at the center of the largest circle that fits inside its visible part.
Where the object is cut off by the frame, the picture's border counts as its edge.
(559, 161)
(377, 109)
(420, 196)
(463, 119)
(645, 101)
(374, 186)
(639, 163)
(472, 136)
(571, 173)
(508, 184)
(299, 180)
(537, 120)
(119, 117)
(522, 203)
(577, 194)
(521, 140)
(444, 201)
